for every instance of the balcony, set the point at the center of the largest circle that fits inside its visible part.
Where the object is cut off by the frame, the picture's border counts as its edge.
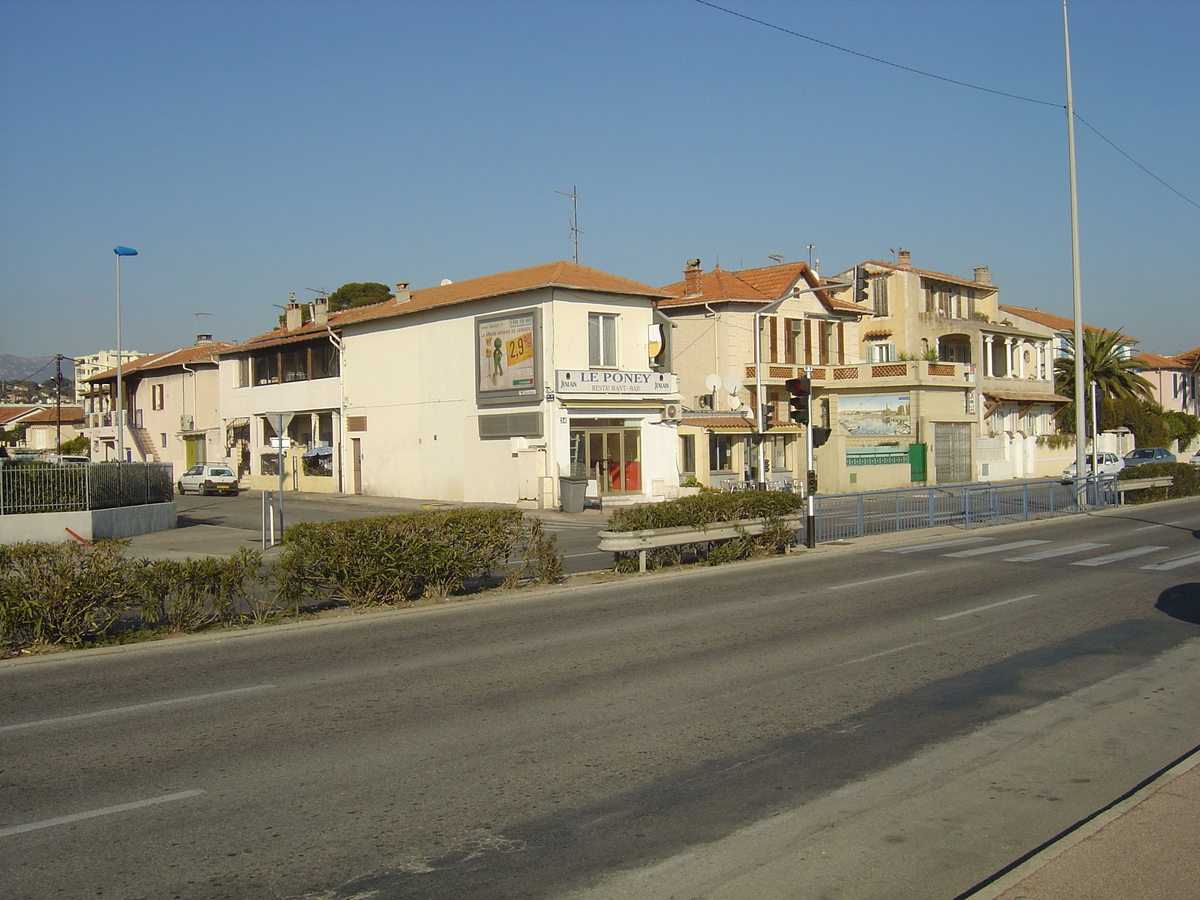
(903, 372)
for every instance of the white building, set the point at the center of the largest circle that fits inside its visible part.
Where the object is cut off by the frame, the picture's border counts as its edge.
(94, 363)
(484, 390)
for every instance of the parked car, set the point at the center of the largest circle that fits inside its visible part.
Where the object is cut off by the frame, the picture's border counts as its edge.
(65, 459)
(209, 478)
(1143, 455)
(1195, 460)
(1104, 463)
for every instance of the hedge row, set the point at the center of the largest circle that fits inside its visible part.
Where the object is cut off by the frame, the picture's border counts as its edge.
(72, 594)
(707, 508)
(1187, 481)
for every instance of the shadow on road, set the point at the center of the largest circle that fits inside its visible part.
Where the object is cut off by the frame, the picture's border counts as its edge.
(1181, 602)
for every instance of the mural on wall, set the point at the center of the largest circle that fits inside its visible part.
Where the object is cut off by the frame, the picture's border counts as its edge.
(875, 414)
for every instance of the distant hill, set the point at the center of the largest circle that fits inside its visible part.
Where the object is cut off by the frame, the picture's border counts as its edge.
(35, 368)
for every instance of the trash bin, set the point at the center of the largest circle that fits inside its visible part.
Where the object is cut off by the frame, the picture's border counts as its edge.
(572, 489)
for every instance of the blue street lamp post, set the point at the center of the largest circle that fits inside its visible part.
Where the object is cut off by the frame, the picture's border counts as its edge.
(120, 413)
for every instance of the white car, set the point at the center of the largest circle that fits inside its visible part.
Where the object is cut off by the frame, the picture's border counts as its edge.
(209, 478)
(1105, 463)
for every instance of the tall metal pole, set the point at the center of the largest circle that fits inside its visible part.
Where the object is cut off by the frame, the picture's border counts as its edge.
(810, 512)
(1080, 425)
(120, 251)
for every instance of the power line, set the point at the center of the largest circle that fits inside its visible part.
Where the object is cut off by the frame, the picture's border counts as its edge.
(966, 84)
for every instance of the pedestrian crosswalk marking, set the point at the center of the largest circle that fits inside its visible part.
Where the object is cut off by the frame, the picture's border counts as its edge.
(1175, 563)
(1057, 551)
(999, 548)
(939, 545)
(1114, 557)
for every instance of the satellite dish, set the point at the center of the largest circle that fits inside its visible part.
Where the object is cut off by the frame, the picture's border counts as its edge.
(734, 401)
(732, 383)
(712, 382)
(445, 281)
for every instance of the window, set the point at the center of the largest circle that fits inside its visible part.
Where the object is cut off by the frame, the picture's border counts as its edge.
(241, 372)
(295, 364)
(157, 396)
(602, 340)
(163, 436)
(879, 294)
(878, 352)
(325, 361)
(687, 453)
(777, 446)
(266, 368)
(720, 453)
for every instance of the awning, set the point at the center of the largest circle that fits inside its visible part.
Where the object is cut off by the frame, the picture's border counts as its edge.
(318, 451)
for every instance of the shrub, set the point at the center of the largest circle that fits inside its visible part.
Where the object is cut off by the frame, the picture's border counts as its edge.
(62, 593)
(397, 559)
(1187, 481)
(192, 594)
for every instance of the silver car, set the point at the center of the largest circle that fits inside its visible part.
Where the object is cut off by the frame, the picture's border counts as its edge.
(1104, 463)
(1143, 455)
(209, 478)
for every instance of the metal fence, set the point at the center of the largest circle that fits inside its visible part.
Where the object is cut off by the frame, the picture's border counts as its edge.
(840, 516)
(37, 487)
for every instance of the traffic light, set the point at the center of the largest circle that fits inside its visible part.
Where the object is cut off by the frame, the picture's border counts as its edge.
(798, 405)
(860, 284)
(812, 481)
(820, 435)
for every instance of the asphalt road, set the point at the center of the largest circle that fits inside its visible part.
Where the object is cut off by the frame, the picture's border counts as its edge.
(888, 718)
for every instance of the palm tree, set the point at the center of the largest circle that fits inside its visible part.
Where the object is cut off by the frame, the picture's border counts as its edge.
(1102, 363)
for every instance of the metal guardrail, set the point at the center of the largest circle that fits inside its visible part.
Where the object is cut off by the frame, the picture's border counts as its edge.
(38, 487)
(841, 516)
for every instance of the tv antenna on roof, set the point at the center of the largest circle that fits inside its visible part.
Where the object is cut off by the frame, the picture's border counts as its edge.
(575, 232)
(776, 258)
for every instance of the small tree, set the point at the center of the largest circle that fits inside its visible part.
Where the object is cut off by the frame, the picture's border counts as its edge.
(355, 294)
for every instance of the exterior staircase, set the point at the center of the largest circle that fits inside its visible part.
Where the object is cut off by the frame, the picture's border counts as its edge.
(145, 443)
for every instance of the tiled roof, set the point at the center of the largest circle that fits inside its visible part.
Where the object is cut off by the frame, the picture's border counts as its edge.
(1154, 361)
(738, 422)
(1026, 396)
(199, 353)
(561, 274)
(1188, 357)
(50, 415)
(13, 413)
(1050, 320)
(929, 273)
(761, 285)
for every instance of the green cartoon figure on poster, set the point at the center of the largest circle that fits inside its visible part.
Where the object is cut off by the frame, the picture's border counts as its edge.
(497, 356)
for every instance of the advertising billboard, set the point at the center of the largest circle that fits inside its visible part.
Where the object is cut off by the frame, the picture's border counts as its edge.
(508, 358)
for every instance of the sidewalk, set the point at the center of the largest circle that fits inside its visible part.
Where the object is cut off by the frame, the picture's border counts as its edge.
(1144, 846)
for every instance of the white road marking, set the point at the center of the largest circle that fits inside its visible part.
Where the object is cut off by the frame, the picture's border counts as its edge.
(95, 813)
(838, 587)
(939, 545)
(999, 548)
(968, 612)
(1173, 563)
(1057, 551)
(589, 553)
(1156, 525)
(140, 706)
(1113, 557)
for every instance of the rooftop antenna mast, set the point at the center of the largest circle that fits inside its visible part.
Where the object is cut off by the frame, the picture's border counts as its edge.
(196, 322)
(575, 232)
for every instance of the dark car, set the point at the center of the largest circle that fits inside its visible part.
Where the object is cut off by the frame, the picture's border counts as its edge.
(1143, 455)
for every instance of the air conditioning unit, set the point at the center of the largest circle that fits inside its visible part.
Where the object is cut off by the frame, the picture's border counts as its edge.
(186, 423)
(705, 401)
(672, 412)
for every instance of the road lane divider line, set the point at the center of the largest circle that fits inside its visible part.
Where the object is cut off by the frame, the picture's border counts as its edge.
(851, 662)
(96, 813)
(939, 545)
(1157, 525)
(968, 612)
(1057, 551)
(999, 548)
(1175, 563)
(155, 704)
(1114, 557)
(838, 587)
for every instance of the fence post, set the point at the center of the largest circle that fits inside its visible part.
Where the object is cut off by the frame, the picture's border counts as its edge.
(861, 527)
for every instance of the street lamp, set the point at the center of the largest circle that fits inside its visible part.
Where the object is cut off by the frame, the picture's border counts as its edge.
(120, 251)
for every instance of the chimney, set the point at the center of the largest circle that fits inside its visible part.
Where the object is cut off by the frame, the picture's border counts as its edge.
(202, 339)
(904, 259)
(293, 315)
(320, 311)
(691, 278)
(403, 294)
(983, 275)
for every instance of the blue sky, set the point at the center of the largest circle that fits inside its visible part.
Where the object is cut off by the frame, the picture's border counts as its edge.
(250, 149)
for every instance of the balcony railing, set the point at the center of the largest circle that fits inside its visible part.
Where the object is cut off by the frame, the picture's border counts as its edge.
(910, 370)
